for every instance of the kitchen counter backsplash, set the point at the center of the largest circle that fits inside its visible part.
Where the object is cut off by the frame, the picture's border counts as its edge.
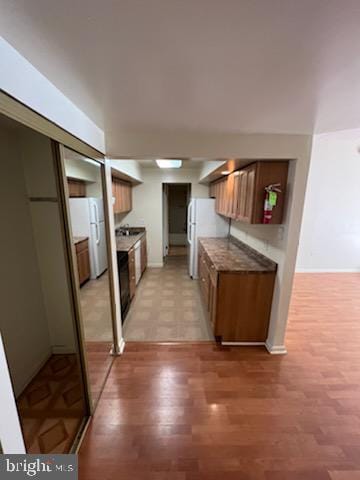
(231, 254)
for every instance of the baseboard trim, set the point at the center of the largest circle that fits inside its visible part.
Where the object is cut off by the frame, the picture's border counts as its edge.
(155, 265)
(327, 270)
(243, 344)
(275, 349)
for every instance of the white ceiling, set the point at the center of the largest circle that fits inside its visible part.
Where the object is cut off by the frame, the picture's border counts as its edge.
(285, 66)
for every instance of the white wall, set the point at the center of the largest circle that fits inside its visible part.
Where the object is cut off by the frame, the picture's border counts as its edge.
(23, 320)
(21, 80)
(209, 166)
(131, 168)
(250, 146)
(89, 173)
(147, 205)
(11, 438)
(330, 232)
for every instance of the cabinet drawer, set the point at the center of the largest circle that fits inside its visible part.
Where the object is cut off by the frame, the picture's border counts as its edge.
(81, 246)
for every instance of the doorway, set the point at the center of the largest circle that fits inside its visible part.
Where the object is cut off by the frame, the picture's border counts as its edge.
(176, 197)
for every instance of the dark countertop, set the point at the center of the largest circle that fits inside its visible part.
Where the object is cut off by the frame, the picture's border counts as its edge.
(231, 255)
(79, 239)
(126, 242)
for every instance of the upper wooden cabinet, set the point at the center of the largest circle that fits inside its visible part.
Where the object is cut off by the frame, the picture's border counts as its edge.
(77, 188)
(241, 194)
(122, 193)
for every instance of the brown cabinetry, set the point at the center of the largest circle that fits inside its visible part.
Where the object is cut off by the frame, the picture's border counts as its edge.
(122, 194)
(132, 278)
(83, 260)
(143, 254)
(77, 188)
(238, 304)
(241, 194)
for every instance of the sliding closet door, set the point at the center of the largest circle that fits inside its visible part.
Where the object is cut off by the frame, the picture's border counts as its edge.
(38, 324)
(88, 238)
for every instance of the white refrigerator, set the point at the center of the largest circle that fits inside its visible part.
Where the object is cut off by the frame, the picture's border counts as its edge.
(203, 221)
(87, 220)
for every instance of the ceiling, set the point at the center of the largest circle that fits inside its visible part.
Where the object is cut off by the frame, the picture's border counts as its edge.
(209, 66)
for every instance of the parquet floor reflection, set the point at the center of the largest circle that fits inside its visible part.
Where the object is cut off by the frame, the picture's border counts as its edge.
(52, 407)
(204, 412)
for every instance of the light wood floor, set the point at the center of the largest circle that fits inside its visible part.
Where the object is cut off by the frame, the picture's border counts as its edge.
(204, 412)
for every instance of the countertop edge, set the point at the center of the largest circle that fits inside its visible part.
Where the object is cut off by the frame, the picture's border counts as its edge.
(270, 266)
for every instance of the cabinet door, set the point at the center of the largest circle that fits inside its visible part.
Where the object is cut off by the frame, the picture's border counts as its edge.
(245, 203)
(132, 278)
(222, 197)
(250, 173)
(230, 183)
(235, 199)
(143, 254)
(212, 305)
(204, 280)
(241, 201)
(77, 188)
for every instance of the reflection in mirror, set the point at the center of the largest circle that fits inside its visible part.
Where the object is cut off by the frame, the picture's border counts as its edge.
(37, 321)
(89, 237)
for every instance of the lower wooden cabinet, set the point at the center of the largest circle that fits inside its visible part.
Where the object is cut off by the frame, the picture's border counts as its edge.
(143, 254)
(83, 260)
(132, 277)
(238, 304)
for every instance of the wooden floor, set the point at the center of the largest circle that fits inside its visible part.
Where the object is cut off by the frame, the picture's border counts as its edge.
(199, 411)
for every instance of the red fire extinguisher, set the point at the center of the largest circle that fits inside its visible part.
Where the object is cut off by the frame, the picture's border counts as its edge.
(271, 193)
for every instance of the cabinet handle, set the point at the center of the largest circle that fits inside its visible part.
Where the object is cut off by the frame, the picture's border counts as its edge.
(203, 279)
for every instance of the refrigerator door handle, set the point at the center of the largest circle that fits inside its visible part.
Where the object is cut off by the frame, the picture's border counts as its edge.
(96, 211)
(189, 224)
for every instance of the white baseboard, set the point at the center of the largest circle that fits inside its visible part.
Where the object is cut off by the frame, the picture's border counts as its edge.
(155, 265)
(242, 344)
(275, 349)
(120, 348)
(327, 270)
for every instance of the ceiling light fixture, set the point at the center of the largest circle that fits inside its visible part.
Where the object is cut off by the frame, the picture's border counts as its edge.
(167, 163)
(225, 172)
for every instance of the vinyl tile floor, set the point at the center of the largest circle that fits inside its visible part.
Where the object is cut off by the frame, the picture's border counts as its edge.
(167, 306)
(96, 309)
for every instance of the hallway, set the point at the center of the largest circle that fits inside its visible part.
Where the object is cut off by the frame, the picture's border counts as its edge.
(203, 412)
(167, 306)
